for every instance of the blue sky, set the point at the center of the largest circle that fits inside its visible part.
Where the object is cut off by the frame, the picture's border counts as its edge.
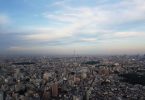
(60, 26)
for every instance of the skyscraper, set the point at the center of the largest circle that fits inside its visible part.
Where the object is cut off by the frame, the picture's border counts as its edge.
(55, 89)
(1, 95)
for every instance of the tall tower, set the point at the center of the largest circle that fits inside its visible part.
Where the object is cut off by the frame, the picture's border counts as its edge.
(74, 52)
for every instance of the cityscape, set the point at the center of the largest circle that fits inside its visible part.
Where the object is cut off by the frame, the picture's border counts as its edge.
(72, 49)
(73, 78)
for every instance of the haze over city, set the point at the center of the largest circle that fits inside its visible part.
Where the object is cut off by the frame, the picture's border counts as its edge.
(62, 26)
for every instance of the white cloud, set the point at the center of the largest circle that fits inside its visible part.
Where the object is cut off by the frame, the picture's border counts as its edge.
(123, 34)
(4, 19)
(88, 39)
(91, 20)
(59, 3)
(120, 12)
(129, 34)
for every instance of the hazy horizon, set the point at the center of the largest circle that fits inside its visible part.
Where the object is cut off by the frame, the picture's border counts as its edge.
(58, 27)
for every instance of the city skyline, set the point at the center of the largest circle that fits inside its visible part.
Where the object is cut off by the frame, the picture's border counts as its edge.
(60, 26)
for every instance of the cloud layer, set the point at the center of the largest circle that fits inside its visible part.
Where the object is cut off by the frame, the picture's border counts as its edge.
(92, 20)
(72, 24)
(4, 19)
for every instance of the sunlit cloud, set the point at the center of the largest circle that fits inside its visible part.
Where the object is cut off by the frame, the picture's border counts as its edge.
(88, 39)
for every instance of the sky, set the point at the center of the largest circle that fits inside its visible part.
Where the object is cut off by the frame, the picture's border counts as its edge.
(58, 27)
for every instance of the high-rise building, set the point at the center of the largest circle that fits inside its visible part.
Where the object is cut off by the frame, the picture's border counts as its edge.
(1, 95)
(55, 89)
(46, 95)
(16, 73)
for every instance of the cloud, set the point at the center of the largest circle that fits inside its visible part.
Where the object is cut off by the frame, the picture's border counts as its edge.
(114, 13)
(97, 20)
(84, 24)
(88, 39)
(46, 34)
(122, 35)
(129, 34)
(4, 19)
(60, 3)
(91, 26)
